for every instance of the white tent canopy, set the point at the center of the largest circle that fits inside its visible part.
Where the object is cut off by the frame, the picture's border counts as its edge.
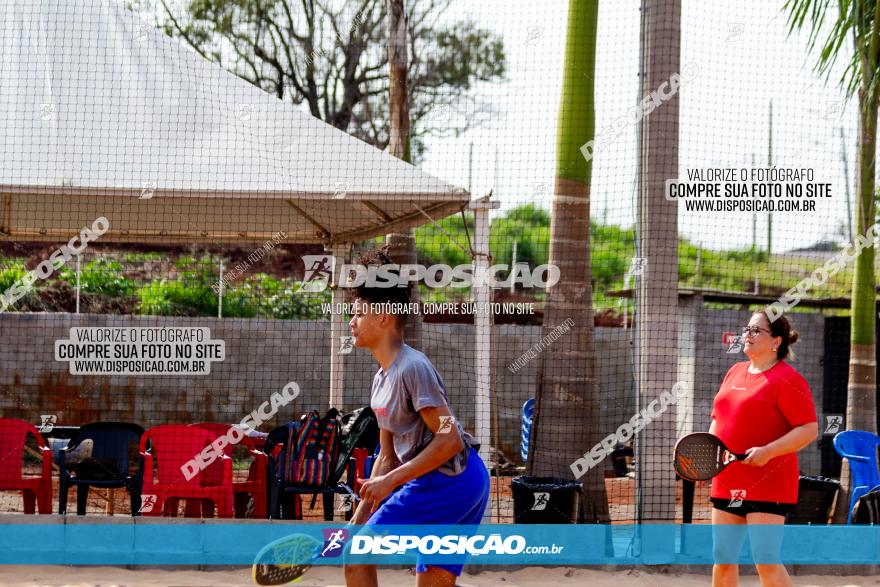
(106, 116)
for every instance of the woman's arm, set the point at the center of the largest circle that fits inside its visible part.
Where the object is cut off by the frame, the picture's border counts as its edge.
(793, 441)
(442, 447)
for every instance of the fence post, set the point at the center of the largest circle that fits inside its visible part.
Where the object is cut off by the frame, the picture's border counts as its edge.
(656, 311)
(482, 294)
(220, 292)
(77, 283)
(340, 252)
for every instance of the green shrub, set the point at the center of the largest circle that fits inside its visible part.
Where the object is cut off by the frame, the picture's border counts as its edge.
(141, 257)
(11, 272)
(283, 299)
(608, 267)
(100, 276)
(190, 294)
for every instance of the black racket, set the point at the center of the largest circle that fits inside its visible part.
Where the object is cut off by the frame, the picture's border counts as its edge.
(700, 456)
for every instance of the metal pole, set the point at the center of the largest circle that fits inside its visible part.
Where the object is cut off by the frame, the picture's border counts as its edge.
(770, 164)
(220, 293)
(754, 224)
(513, 268)
(497, 175)
(699, 263)
(78, 272)
(340, 252)
(471, 168)
(638, 444)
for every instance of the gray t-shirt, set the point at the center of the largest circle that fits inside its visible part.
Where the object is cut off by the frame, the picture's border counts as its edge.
(412, 384)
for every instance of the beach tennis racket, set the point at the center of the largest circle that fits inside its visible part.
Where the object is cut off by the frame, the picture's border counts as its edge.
(700, 456)
(285, 560)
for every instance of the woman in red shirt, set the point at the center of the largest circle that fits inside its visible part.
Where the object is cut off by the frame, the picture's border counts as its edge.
(764, 408)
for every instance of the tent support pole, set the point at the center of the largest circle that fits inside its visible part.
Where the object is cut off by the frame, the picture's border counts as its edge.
(340, 252)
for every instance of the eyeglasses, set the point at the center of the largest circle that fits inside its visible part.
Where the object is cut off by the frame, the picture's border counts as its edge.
(753, 330)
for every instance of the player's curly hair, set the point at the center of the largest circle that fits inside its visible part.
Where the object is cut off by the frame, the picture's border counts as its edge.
(397, 296)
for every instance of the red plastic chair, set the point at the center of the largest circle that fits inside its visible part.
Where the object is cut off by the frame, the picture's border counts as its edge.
(173, 445)
(255, 485)
(360, 456)
(13, 436)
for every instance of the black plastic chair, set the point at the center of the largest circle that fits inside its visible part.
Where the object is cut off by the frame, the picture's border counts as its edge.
(285, 500)
(107, 466)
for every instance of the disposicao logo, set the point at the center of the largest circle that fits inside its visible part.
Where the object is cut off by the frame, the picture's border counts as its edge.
(334, 541)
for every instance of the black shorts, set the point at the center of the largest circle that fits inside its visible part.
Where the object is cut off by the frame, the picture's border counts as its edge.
(751, 507)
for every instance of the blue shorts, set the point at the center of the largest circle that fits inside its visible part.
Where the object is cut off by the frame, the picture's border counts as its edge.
(438, 499)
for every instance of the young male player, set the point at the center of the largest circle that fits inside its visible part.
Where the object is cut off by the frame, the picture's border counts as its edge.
(428, 470)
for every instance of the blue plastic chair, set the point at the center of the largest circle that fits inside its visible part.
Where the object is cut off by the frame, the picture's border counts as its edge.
(368, 465)
(528, 411)
(860, 448)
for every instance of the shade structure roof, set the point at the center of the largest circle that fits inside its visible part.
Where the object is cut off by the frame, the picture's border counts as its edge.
(103, 115)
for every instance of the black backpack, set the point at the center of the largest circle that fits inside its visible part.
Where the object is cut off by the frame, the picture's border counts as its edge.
(359, 429)
(867, 508)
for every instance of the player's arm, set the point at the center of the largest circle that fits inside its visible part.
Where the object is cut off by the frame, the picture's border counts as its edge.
(442, 447)
(386, 461)
(796, 439)
(793, 441)
(795, 401)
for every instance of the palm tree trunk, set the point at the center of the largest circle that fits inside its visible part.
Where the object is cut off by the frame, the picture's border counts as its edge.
(861, 411)
(861, 20)
(861, 392)
(402, 245)
(568, 407)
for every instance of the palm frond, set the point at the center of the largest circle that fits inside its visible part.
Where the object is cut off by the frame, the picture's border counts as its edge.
(852, 19)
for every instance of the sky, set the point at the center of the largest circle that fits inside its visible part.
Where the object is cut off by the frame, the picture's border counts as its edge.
(745, 58)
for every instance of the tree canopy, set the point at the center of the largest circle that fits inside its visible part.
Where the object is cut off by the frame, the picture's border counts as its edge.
(331, 57)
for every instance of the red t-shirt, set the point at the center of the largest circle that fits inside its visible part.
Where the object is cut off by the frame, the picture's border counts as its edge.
(754, 410)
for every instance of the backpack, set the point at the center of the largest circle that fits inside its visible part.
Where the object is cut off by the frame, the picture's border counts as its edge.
(312, 449)
(359, 429)
(867, 508)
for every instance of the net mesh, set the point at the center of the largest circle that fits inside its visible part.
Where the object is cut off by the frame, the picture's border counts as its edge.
(179, 182)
